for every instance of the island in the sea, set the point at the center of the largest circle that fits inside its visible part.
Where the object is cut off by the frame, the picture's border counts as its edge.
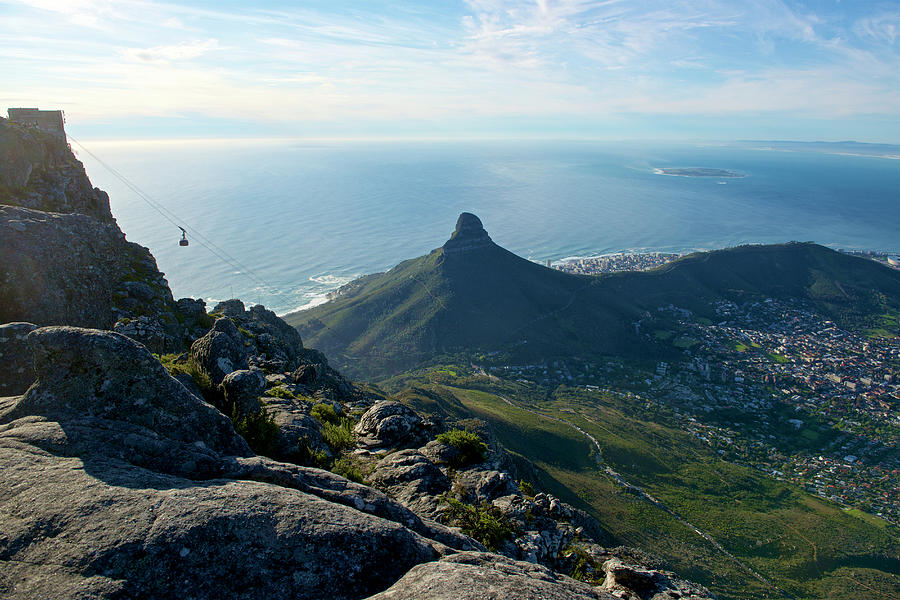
(697, 172)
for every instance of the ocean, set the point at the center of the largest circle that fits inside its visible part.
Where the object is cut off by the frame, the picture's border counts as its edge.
(284, 222)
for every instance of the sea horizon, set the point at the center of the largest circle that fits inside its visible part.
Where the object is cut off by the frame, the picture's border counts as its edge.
(302, 218)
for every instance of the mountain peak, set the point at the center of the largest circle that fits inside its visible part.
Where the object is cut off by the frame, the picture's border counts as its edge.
(468, 235)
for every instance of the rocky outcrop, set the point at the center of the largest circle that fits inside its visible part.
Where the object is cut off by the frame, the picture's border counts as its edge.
(96, 375)
(468, 235)
(147, 491)
(277, 345)
(475, 576)
(631, 582)
(71, 269)
(390, 424)
(221, 351)
(16, 364)
(413, 480)
(544, 530)
(63, 259)
(39, 171)
(242, 390)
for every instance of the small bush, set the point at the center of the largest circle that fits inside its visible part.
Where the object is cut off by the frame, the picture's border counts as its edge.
(583, 565)
(348, 467)
(190, 366)
(305, 455)
(325, 414)
(471, 449)
(339, 437)
(485, 523)
(281, 392)
(526, 488)
(206, 321)
(259, 429)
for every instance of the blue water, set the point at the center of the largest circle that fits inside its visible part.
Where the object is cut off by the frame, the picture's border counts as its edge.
(303, 218)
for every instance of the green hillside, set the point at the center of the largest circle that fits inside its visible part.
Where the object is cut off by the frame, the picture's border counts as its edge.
(471, 294)
(805, 546)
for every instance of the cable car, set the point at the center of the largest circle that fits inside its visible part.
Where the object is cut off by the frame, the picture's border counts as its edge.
(183, 241)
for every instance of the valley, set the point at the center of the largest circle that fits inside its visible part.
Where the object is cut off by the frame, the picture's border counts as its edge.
(735, 413)
(699, 500)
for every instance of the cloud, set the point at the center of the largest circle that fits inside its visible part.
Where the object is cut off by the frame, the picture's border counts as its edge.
(544, 59)
(883, 28)
(183, 51)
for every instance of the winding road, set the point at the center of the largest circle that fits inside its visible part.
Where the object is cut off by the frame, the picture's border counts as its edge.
(612, 474)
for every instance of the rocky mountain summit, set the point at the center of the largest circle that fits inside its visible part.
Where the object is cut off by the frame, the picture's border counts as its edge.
(149, 448)
(468, 235)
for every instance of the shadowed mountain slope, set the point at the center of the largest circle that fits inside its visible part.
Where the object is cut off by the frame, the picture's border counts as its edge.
(471, 294)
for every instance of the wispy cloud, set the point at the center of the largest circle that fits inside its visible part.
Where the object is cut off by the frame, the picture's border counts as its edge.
(484, 59)
(174, 53)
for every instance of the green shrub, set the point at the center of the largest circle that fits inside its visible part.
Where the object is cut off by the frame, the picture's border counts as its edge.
(305, 455)
(348, 467)
(526, 488)
(259, 429)
(583, 565)
(190, 366)
(471, 449)
(339, 437)
(281, 392)
(325, 414)
(485, 523)
(206, 321)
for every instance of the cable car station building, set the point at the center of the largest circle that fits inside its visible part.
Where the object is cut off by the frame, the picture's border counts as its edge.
(50, 121)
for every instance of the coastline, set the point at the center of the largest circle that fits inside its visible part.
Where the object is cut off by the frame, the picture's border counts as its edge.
(594, 264)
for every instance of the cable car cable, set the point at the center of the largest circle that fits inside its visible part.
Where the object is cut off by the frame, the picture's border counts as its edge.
(174, 219)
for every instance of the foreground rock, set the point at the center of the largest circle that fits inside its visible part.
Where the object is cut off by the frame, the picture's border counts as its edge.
(632, 582)
(475, 576)
(120, 483)
(16, 364)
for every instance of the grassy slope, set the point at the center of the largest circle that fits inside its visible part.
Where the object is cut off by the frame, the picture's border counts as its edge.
(807, 546)
(490, 299)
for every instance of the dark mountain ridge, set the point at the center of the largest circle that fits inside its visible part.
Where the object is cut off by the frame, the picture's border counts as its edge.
(471, 294)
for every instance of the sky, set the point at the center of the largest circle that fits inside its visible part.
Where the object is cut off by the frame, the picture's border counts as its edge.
(607, 69)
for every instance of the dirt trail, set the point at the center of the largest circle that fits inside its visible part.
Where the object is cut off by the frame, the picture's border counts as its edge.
(640, 492)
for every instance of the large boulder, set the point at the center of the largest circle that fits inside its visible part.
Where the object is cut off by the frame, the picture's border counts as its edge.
(221, 351)
(389, 424)
(242, 390)
(118, 482)
(230, 308)
(276, 346)
(104, 375)
(16, 363)
(296, 427)
(485, 485)
(477, 575)
(94, 527)
(146, 330)
(413, 480)
(640, 583)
